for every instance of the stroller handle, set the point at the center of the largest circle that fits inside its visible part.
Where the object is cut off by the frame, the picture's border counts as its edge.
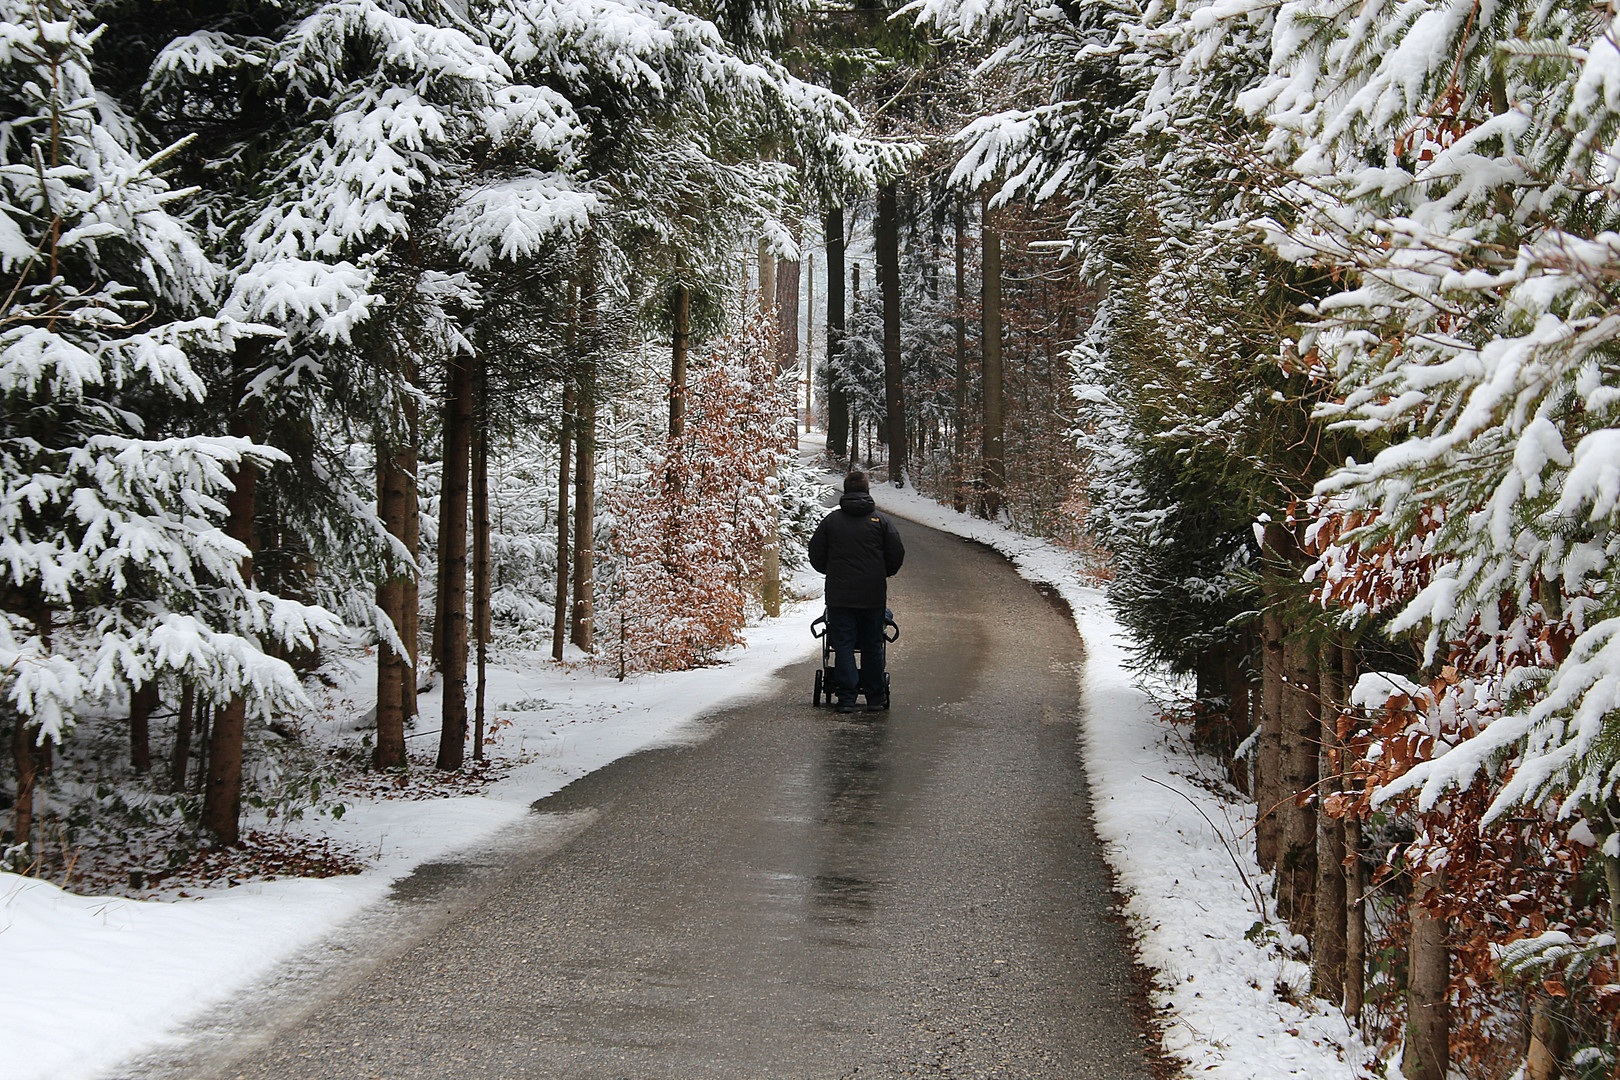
(891, 629)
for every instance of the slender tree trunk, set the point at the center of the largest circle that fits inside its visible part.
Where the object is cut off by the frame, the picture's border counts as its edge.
(1301, 731)
(1355, 922)
(959, 486)
(787, 312)
(857, 422)
(394, 682)
(837, 401)
(480, 512)
(994, 466)
(205, 736)
(407, 459)
(222, 798)
(1269, 791)
(559, 624)
(1427, 1053)
(681, 304)
(887, 240)
(770, 569)
(767, 278)
(1209, 675)
(1611, 879)
(222, 801)
(180, 753)
(142, 700)
(22, 758)
(1355, 876)
(809, 338)
(453, 555)
(584, 626)
(1328, 945)
(1548, 1051)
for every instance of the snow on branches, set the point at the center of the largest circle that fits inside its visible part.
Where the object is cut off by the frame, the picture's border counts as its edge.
(115, 563)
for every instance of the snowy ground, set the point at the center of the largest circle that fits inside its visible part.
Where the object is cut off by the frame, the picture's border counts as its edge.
(85, 982)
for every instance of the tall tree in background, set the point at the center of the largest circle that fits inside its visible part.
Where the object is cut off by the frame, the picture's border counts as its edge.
(993, 479)
(887, 244)
(453, 505)
(838, 441)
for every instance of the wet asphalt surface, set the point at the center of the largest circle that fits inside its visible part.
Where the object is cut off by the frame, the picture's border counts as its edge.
(803, 895)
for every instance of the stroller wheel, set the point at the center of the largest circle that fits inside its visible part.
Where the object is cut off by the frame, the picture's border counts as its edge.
(815, 697)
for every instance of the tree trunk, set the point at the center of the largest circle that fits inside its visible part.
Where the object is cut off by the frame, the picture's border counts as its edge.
(1268, 781)
(887, 240)
(1355, 880)
(857, 422)
(480, 513)
(777, 278)
(1209, 679)
(22, 757)
(809, 338)
(180, 753)
(458, 413)
(584, 625)
(406, 458)
(559, 623)
(142, 700)
(1427, 1053)
(959, 486)
(395, 685)
(1544, 1059)
(994, 469)
(770, 590)
(205, 736)
(1355, 922)
(1328, 945)
(837, 401)
(1301, 736)
(1611, 878)
(767, 278)
(787, 314)
(681, 304)
(222, 797)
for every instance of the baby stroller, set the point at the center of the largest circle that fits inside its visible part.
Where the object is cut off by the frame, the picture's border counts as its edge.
(825, 680)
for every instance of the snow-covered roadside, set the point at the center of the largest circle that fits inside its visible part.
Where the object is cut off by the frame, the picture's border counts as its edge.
(1182, 855)
(88, 981)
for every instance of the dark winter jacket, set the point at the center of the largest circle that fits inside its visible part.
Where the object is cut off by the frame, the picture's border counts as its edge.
(859, 550)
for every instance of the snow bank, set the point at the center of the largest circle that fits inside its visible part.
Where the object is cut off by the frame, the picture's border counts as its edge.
(1226, 974)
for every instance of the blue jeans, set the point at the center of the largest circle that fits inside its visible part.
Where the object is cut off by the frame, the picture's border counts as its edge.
(848, 630)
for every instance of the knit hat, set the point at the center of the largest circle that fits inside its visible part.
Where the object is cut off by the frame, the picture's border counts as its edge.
(856, 481)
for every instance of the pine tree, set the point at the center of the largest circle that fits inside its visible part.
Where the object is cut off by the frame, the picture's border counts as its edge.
(122, 568)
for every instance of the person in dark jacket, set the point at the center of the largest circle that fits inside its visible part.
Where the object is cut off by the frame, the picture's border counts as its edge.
(858, 549)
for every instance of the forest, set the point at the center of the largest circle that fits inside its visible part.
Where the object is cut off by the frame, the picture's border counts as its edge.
(416, 328)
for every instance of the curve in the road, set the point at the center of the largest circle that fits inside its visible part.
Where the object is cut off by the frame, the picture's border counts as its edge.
(910, 894)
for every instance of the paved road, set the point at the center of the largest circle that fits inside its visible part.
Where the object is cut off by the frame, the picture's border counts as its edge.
(800, 897)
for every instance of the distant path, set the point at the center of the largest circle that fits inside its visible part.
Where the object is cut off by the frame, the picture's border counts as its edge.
(801, 897)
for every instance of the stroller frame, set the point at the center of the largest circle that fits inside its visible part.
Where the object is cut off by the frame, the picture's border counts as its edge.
(825, 685)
